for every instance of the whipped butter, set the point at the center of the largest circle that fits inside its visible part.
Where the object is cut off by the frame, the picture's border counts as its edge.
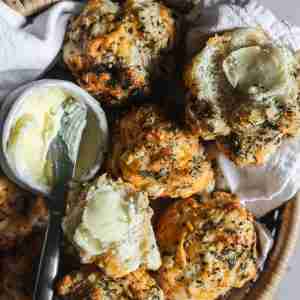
(262, 72)
(105, 219)
(113, 221)
(40, 118)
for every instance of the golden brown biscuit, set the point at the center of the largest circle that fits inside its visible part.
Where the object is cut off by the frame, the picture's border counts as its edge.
(245, 88)
(113, 49)
(157, 156)
(20, 212)
(90, 283)
(208, 247)
(246, 148)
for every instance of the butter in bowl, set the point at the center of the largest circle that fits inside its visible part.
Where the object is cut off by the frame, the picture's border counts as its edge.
(34, 115)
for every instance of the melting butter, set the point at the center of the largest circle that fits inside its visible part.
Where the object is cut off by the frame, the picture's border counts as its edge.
(261, 71)
(113, 219)
(254, 66)
(105, 220)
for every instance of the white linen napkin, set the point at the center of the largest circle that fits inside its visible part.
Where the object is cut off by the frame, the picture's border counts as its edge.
(28, 49)
(266, 187)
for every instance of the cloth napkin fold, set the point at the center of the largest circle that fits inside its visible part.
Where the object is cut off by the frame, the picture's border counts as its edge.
(28, 49)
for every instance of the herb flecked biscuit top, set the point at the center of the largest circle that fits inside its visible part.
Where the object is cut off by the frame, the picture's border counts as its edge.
(208, 247)
(114, 49)
(243, 91)
(156, 155)
(90, 283)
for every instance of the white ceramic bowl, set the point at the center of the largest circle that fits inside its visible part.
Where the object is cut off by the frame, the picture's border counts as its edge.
(14, 101)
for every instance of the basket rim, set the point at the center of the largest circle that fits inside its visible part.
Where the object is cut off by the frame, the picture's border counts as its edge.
(285, 246)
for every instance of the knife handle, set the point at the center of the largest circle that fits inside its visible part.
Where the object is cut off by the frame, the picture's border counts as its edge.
(49, 261)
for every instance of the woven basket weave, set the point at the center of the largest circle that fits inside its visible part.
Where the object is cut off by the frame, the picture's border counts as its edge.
(285, 244)
(268, 282)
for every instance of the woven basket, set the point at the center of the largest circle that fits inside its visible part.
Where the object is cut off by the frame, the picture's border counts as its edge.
(285, 244)
(288, 231)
